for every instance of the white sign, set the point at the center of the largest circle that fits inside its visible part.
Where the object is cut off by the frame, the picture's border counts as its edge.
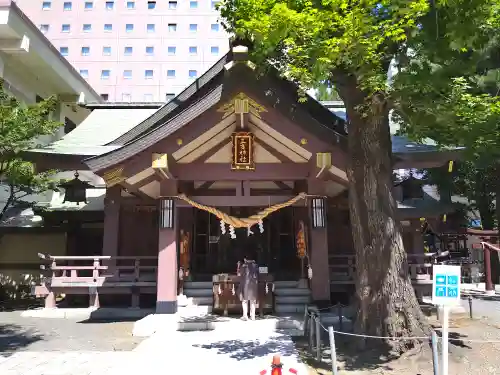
(263, 270)
(446, 285)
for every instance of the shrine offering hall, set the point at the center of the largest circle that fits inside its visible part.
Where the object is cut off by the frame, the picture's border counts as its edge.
(234, 165)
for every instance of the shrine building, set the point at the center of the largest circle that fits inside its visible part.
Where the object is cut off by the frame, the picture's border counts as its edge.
(235, 163)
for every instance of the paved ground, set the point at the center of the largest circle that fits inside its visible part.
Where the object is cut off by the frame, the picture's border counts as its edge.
(65, 347)
(34, 334)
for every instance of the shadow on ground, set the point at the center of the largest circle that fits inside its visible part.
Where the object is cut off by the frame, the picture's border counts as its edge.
(377, 358)
(14, 337)
(249, 349)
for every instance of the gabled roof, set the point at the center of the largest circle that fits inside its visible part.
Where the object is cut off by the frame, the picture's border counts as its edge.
(225, 76)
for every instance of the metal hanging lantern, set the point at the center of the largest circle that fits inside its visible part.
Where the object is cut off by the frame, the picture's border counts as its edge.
(75, 190)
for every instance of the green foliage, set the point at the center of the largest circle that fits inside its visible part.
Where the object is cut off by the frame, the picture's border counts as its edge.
(20, 126)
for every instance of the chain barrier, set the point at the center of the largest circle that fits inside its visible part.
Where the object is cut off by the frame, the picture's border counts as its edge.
(312, 315)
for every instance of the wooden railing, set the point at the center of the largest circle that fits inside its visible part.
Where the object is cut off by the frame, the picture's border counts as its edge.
(97, 274)
(343, 268)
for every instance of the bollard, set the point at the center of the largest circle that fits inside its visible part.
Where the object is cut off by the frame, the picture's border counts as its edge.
(311, 332)
(470, 307)
(339, 313)
(435, 356)
(306, 317)
(318, 339)
(333, 350)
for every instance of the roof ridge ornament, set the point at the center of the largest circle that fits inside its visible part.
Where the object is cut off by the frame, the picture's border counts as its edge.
(241, 103)
(240, 56)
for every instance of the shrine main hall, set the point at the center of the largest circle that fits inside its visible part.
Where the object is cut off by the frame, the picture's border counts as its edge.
(234, 163)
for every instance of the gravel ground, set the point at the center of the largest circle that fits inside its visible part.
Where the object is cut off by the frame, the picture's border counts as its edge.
(465, 357)
(37, 334)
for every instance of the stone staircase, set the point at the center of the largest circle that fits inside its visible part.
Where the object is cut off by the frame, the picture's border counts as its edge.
(290, 297)
(199, 293)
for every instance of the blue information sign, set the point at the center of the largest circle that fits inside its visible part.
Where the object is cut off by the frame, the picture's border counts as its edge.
(446, 285)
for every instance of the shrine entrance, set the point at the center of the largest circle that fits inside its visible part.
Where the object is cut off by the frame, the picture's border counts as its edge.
(214, 253)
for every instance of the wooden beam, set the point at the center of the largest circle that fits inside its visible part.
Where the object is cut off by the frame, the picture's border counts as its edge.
(134, 190)
(160, 166)
(205, 185)
(225, 201)
(282, 185)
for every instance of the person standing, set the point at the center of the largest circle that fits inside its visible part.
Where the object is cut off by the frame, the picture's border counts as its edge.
(249, 283)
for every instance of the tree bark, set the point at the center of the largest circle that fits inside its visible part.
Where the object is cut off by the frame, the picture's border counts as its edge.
(387, 302)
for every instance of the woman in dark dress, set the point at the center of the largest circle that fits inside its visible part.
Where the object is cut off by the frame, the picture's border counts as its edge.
(248, 290)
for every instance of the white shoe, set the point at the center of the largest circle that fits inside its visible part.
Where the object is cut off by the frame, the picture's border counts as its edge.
(244, 317)
(252, 318)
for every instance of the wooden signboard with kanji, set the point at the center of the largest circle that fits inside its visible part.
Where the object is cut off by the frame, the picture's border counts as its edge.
(243, 151)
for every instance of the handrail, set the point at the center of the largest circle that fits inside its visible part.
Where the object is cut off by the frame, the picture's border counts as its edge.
(491, 246)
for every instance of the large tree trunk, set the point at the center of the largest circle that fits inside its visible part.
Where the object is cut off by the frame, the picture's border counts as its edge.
(387, 302)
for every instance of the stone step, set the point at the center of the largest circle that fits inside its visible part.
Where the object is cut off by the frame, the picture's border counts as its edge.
(198, 285)
(201, 301)
(286, 284)
(289, 308)
(198, 292)
(292, 292)
(287, 299)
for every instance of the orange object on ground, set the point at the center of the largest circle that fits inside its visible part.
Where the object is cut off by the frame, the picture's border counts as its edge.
(277, 367)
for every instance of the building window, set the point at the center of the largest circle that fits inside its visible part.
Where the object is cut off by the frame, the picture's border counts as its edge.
(148, 97)
(106, 51)
(151, 4)
(85, 51)
(193, 27)
(129, 27)
(214, 27)
(172, 5)
(130, 4)
(110, 5)
(171, 50)
(127, 51)
(46, 5)
(171, 73)
(127, 74)
(193, 4)
(105, 74)
(87, 28)
(64, 51)
(150, 27)
(66, 28)
(44, 28)
(68, 125)
(214, 50)
(108, 27)
(89, 5)
(150, 50)
(105, 97)
(193, 74)
(148, 74)
(84, 73)
(126, 98)
(193, 50)
(169, 96)
(67, 5)
(172, 27)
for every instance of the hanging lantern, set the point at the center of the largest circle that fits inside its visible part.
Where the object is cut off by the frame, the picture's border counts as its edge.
(318, 213)
(75, 190)
(166, 213)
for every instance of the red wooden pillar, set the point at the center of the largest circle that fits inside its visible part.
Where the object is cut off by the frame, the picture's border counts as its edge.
(318, 250)
(487, 268)
(166, 293)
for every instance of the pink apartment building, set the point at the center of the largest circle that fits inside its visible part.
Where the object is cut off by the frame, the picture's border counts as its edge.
(137, 50)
